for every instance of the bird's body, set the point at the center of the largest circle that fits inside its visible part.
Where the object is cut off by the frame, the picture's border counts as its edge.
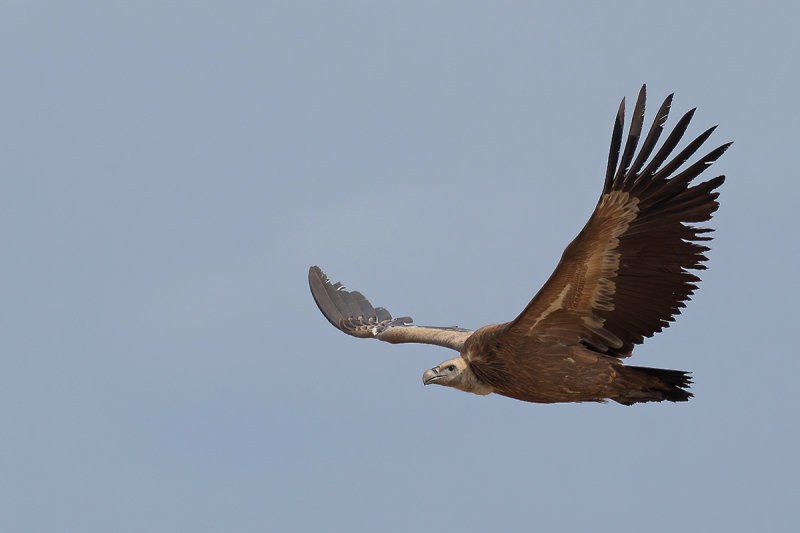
(624, 277)
(575, 375)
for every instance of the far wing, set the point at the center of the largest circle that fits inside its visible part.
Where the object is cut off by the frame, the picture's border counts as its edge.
(351, 312)
(626, 275)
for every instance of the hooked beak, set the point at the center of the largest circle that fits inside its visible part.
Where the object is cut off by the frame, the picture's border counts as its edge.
(430, 376)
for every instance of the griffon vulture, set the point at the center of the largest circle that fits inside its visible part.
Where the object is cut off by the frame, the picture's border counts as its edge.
(624, 277)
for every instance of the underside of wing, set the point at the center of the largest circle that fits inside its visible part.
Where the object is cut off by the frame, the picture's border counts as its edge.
(351, 313)
(627, 274)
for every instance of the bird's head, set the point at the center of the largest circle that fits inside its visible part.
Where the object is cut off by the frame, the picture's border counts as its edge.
(455, 373)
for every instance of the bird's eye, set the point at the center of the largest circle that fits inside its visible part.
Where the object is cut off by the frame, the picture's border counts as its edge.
(451, 368)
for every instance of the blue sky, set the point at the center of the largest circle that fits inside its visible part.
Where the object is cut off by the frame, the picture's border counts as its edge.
(171, 169)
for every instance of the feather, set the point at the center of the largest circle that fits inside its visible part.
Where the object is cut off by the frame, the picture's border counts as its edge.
(351, 313)
(625, 277)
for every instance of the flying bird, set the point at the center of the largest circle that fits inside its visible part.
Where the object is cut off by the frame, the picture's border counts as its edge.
(624, 277)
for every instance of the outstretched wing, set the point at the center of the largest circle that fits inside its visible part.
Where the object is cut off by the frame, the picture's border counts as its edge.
(626, 275)
(351, 312)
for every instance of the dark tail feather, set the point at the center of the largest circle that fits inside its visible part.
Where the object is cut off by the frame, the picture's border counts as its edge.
(641, 384)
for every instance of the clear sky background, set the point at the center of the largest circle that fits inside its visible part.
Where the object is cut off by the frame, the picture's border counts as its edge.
(171, 169)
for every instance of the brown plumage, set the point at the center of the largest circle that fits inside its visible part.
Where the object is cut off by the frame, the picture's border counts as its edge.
(624, 277)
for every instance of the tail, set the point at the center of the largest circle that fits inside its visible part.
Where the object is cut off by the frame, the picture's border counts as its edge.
(641, 384)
